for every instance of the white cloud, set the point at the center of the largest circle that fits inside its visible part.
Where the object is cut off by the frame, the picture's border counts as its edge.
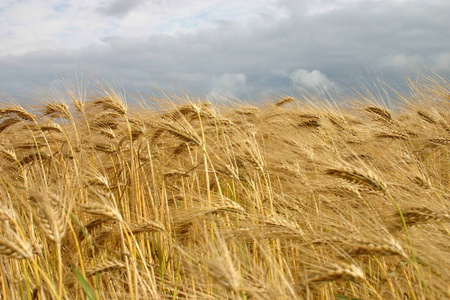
(311, 79)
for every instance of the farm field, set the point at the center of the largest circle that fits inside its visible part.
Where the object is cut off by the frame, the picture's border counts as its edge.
(295, 198)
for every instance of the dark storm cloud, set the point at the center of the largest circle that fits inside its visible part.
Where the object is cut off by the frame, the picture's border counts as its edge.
(119, 8)
(266, 55)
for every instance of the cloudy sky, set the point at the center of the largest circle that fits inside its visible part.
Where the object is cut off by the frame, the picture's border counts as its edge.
(217, 48)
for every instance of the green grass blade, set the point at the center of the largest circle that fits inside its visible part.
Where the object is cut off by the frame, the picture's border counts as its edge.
(88, 290)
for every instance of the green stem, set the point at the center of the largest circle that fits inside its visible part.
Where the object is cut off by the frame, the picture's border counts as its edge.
(405, 227)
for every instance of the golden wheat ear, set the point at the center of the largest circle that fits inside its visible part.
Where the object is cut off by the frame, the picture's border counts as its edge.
(381, 248)
(17, 248)
(51, 127)
(115, 104)
(51, 214)
(380, 112)
(8, 122)
(355, 176)
(105, 267)
(339, 271)
(103, 210)
(19, 112)
(426, 117)
(417, 215)
(9, 155)
(60, 110)
(284, 101)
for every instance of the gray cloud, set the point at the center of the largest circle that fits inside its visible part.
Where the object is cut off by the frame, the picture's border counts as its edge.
(227, 85)
(119, 8)
(260, 57)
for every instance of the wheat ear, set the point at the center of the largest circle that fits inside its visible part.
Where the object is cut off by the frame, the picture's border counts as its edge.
(105, 267)
(103, 210)
(420, 215)
(284, 101)
(339, 272)
(51, 216)
(8, 122)
(114, 104)
(57, 110)
(19, 112)
(17, 249)
(357, 247)
(380, 112)
(358, 177)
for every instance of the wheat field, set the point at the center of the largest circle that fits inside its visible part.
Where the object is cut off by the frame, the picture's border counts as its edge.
(295, 198)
